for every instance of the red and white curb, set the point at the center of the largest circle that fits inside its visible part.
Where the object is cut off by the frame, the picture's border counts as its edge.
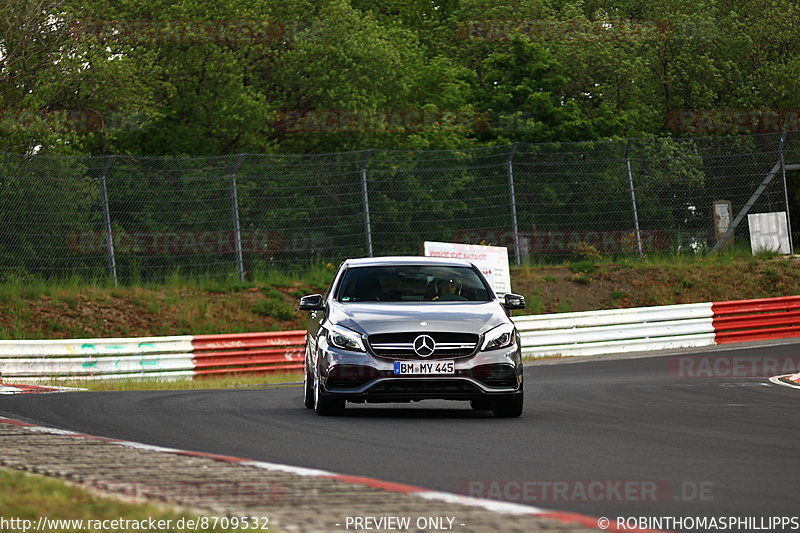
(788, 380)
(33, 389)
(400, 488)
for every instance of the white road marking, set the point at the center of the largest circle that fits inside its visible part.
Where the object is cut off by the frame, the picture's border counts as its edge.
(778, 381)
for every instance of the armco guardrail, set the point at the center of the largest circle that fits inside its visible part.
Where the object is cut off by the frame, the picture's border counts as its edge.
(659, 328)
(619, 330)
(249, 352)
(96, 357)
(750, 320)
(584, 333)
(158, 357)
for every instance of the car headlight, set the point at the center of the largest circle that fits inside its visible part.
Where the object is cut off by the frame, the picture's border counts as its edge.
(345, 339)
(499, 337)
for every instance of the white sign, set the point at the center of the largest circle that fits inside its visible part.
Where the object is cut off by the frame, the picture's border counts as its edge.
(492, 260)
(769, 232)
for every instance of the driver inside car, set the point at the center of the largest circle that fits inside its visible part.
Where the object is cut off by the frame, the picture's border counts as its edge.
(449, 289)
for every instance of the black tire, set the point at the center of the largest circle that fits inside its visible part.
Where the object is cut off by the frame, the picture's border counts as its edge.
(510, 407)
(308, 391)
(325, 406)
(482, 404)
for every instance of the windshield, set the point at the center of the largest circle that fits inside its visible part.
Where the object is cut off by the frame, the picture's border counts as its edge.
(409, 283)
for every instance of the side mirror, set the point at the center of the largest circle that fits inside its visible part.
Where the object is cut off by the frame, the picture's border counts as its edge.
(514, 301)
(312, 302)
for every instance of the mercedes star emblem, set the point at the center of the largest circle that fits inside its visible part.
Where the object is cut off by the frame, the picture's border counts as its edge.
(424, 345)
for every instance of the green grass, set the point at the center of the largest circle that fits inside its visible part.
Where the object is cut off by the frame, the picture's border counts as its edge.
(565, 305)
(772, 275)
(213, 382)
(182, 303)
(27, 497)
(534, 303)
(730, 255)
(271, 308)
(185, 303)
(582, 278)
(582, 267)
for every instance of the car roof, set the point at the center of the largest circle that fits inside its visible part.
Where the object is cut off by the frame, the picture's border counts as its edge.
(406, 260)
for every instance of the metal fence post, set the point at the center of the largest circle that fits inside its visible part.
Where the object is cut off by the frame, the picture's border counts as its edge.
(365, 199)
(237, 232)
(513, 199)
(786, 193)
(633, 199)
(112, 262)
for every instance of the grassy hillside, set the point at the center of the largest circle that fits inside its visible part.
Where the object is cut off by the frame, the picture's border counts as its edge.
(71, 309)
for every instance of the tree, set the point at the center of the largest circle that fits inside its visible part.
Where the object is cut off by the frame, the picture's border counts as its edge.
(59, 86)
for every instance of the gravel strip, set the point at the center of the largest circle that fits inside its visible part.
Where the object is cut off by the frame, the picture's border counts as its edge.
(293, 503)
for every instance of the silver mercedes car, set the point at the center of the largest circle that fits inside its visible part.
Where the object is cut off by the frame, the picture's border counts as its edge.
(403, 329)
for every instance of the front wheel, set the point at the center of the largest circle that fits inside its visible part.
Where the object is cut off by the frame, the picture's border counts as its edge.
(308, 390)
(326, 406)
(510, 407)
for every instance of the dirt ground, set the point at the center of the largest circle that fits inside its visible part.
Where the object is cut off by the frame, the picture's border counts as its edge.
(609, 285)
(133, 312)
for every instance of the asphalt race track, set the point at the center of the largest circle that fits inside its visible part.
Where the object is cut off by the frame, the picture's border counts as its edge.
(728, 445)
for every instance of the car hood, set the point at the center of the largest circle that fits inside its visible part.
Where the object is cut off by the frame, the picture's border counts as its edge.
(457, 317)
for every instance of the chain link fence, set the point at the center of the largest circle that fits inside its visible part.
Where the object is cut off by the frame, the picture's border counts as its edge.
(133, 219)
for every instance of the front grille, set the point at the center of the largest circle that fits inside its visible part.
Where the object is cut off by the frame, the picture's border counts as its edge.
(401, 345)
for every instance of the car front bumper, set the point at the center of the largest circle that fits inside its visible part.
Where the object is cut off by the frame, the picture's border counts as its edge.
(364, 377)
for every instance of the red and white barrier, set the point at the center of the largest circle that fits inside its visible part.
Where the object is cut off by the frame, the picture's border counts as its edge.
(249, 352)
(584, 333)
(659, 328)
(751, 320)
(33, 389)
(158, 357)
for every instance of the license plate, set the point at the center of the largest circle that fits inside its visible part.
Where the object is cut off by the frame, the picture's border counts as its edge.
(424, 368)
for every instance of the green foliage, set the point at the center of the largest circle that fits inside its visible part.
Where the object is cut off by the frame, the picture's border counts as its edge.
(587, 251)
(582, 267)
(582, 278)
(148, 77)
(152, 77)
(274, 309)
(767, 254)
(772, 275)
